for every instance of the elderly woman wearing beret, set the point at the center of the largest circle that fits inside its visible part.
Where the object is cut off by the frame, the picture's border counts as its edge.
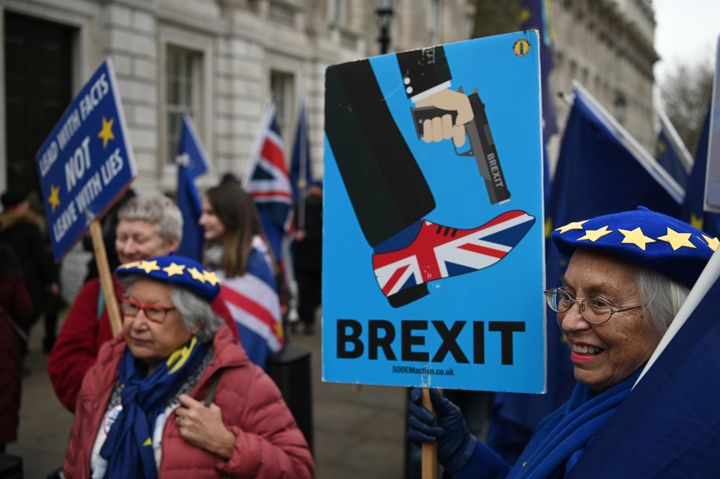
(175, 395)
(628, 275)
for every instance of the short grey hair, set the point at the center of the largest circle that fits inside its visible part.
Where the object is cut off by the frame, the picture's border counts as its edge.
(194, 311)
(157, 210)
(662, 296)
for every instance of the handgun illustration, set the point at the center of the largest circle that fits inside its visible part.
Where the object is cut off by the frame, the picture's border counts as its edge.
(482, 146)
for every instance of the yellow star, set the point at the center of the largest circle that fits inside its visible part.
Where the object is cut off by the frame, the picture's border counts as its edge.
(197, 275)
(211, 277)
(661, 147)
(713, 243)
(594, 235)
(54, 198)
(174, 269)
(524, 15)
(106, 133)
(575, 225)
(696, 221)
(134, 264)
(677, 240)
(636, 237)
(149, 266)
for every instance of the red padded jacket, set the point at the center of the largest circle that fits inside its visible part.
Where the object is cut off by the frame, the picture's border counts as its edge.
(268, 442)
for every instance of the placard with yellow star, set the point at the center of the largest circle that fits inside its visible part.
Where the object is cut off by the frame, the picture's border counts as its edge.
(86, 162)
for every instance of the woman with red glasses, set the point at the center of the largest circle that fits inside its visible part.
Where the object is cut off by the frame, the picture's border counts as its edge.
(148, 226)
(628, 275)
(176, 395)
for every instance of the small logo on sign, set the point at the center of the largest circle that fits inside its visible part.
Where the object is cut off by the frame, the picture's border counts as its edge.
(521, 47)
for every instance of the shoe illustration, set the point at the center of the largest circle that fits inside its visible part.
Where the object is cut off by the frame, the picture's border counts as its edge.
(441, 252)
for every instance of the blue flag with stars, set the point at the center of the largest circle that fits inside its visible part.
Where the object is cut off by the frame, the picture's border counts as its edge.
(669, 157)
(192, 162)
(692, 208)
(301, 163)
(86, 163)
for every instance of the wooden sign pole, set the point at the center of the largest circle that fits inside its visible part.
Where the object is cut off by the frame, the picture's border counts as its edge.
(429, 451)
(106, 282)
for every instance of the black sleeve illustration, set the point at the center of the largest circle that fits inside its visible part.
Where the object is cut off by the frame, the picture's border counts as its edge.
(385, 185)
(423, 69)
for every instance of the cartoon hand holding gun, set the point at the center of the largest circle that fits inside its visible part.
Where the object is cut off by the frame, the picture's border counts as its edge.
(452, 114)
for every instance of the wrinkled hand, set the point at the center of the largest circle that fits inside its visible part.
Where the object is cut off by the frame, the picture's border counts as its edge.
(203, 427)
(441, 127)
(455, 443)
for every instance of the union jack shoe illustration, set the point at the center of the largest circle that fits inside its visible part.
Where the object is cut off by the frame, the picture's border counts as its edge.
(441, 252)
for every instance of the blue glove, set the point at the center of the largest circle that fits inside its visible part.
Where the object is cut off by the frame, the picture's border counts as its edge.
(455, 443)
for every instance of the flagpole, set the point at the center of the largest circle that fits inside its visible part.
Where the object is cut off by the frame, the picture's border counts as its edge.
(302, 174)
(105, 277)
(706, 280)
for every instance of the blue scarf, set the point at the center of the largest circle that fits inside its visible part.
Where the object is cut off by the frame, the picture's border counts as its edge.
(128, 447)
(561, 437)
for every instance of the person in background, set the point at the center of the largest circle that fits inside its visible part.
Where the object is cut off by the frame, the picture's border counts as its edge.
(235, 247)
(16, 313)
(175, 395)
(108, 225)
(23, 231)
(307, 255)
(147, 226)
(629, 274)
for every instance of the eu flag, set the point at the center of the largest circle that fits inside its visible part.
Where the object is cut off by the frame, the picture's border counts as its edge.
(301, 163)
(668, 425)
(192, 162)
(671, 153)
(600, 170)
(534, 14)
(692, 208)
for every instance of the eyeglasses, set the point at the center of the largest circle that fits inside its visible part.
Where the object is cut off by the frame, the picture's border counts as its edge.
(154, 312)
(593, 310)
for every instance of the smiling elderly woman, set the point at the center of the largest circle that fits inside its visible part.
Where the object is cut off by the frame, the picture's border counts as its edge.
(175, 395)
(628, 275)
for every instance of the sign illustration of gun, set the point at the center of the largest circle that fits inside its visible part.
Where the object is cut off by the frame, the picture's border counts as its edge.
(482, 145)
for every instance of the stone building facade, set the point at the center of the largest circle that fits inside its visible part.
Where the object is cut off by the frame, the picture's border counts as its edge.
(219, 60)
(607, 45)
(223, 60)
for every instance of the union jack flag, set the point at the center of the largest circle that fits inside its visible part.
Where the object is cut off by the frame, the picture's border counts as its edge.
(253, 303)
(269, 183)
(441, 252)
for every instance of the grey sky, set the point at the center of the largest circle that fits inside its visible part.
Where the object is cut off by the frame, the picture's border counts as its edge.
(686, 32)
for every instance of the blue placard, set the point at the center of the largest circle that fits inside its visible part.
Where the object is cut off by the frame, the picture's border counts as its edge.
(433, 253)
(86, 162)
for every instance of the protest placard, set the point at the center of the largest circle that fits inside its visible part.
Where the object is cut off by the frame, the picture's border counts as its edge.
(86, 162)
(433, 242)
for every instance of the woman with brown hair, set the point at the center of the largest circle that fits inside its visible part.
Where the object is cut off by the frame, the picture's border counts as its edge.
(236, 248)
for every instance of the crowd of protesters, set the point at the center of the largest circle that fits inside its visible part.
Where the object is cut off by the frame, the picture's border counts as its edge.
(176, 369)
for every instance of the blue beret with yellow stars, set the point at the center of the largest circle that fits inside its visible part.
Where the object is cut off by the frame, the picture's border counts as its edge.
(646, 238)
(177, 271)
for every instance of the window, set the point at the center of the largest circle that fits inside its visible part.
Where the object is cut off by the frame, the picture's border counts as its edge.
(283, 95)
(182, 94)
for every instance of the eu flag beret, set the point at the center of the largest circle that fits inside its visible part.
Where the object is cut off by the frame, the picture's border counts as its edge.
(177, 271)
(646, 238)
